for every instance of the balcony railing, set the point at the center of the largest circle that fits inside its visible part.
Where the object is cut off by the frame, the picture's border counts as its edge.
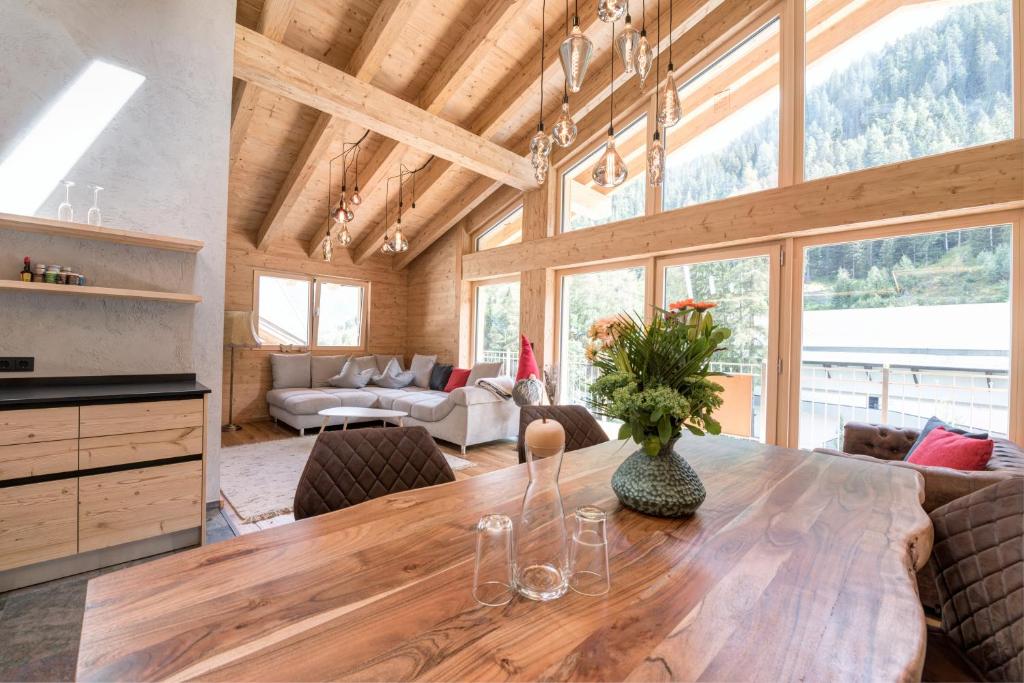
(509, 360)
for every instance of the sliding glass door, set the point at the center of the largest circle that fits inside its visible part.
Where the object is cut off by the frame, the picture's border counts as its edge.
(743, 283)
(902, 327)
(586, 296)
(496, 324)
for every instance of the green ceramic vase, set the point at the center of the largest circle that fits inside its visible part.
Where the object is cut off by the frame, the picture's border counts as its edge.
(662, 485)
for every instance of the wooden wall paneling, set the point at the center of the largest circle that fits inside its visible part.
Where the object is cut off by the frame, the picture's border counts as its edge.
(304, 79)
(537, 312)
(38, 522)
(434, 301)
(961, 182)
(38, 424)
(465, 294)
(274, 20)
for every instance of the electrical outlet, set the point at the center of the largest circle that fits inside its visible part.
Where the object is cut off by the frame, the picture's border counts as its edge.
(18, 364)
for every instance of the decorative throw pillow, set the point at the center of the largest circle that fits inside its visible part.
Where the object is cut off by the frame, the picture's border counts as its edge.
(364, 363)
(943, 448)
(934, 422)
(351, 377)
(527, 361)
(290, 370)
(393, 377)
(483, 371)
(421, 367)
(458, 379)
(323, 368)
(383, 360)
(439, 375)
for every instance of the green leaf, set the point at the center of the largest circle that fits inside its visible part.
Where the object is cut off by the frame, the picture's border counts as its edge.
(712, 425)
(656, 416)
(695, 429)
(625, 431)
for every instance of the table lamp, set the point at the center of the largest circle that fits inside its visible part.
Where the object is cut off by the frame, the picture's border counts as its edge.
(239, 333)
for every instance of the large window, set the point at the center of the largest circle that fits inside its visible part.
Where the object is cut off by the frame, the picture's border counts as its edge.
(890, 80)
(899, 329)
(728, 141)
(586, 297)
(586, 204)
(740, 288)
(496, 325)
(509, 230)
(294, 309)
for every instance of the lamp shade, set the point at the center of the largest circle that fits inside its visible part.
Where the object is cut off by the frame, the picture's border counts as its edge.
(240, 329)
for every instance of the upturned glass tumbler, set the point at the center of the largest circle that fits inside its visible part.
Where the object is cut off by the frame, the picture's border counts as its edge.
(492, 574)
(588, 553)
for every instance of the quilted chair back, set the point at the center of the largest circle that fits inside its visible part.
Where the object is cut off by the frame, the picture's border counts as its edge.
(978, 560)
(581, 429)
(355, 465)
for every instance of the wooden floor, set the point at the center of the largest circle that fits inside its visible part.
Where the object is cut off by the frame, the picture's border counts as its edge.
(486, 458)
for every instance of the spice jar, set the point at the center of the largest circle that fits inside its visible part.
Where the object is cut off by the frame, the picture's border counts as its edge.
(52, 273)
(71, 278)
(39, 273)
(64, 273)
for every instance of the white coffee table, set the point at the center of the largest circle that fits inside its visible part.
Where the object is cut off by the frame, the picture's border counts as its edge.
(347, 413)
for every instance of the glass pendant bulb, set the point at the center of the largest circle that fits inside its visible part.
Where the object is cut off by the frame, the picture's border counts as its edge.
(398, 241)
(356, 199)
(611, 10)
(327, 251)
(565, 129)
(540, 152)
(575, 53)
(656, 161)
(610, 171)
(344, 237)
(644, 58)
(627, 43)
(338, 213)
(670, 112)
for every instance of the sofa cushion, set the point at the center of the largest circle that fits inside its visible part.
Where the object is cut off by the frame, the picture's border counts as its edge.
(290, 370)
(428, 406)
(323, 368)
(392, 377)
(364, 363)
(308, 402)
(483, 371)
(457, 379)
(421, 367)
(353, 398)
(352, 377)
(946, 449)
(382, 359)
(386, 396)
(934, 422)
(439, 375)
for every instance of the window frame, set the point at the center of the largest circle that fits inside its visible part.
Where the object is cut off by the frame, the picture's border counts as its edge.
(313, 304)
(474, 309)
(493, 222)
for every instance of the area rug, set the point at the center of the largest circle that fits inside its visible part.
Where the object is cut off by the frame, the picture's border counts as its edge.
(259, 479)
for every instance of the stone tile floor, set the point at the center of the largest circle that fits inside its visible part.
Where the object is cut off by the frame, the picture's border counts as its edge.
(40, 625)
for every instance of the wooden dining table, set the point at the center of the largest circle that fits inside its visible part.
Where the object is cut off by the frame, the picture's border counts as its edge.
(798, 566)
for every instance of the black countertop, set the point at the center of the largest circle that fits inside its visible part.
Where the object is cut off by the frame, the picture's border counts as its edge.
(48, 392)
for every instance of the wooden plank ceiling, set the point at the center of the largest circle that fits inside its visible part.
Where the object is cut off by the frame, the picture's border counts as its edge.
(319, 73)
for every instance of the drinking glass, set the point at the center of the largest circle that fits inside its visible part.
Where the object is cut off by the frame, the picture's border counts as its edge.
(492, 575)
(64, 211)
(588, 554)
(93, 216)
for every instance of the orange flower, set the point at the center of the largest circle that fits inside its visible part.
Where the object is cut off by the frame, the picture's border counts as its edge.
(704, 305)
(680, 305)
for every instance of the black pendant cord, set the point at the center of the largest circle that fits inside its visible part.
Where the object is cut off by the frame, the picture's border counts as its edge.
(611, 89)
(657, 87)
(671, 66)
(543, 49)
(643, 27)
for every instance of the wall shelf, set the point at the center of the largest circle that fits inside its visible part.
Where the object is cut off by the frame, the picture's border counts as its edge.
(46, 226)
(109, 292)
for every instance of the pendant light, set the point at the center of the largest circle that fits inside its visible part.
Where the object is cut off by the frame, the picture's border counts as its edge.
(565, 129)
(540, 144)
(644, 52)
(356, 198)
(627, 43)
(611, 10)
(671, 111)
(326, 250)
(575, 53)
(656, 151)
(344, 237)
(610, 171)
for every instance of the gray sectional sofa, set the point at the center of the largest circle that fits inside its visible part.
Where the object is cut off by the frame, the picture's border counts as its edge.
(466, 416)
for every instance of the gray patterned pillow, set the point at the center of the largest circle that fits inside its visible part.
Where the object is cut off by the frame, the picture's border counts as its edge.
(393, 377)
(351, 377)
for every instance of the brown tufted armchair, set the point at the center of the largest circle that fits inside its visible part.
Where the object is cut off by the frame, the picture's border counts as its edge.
(881, 443)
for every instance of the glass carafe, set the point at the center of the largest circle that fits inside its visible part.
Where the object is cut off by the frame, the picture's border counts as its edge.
(542, 548)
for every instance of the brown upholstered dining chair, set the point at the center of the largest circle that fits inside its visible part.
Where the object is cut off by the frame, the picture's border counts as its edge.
(581, 429)
(978, 562)
(352, 466)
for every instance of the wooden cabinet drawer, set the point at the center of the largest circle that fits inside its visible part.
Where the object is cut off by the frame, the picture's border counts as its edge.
(120, 507)
(33, 459)
(131, 418)
(38, 424)
(120, 449)
(38, 522)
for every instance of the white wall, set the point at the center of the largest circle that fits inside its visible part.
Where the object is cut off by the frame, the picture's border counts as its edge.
(164, 162)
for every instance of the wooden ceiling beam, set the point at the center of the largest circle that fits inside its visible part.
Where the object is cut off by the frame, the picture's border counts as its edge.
(437, 93)
(972, 180)
(273, 22)
(383, 30)
(287, 72)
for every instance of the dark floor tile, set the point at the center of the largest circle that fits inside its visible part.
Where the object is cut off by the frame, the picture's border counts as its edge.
(41, 627)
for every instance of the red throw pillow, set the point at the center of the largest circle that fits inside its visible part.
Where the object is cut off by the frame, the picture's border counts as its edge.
(458, 379)
(943, 448)
(527, 361)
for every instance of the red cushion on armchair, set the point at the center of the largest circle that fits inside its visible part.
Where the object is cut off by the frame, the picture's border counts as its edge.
(942, 448)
